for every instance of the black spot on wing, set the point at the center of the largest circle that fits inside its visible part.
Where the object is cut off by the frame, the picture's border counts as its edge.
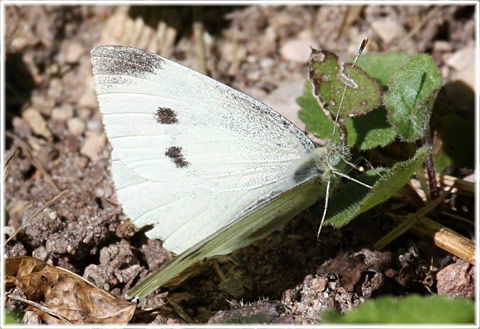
(166, 116)
(175, 154)
(115, 60)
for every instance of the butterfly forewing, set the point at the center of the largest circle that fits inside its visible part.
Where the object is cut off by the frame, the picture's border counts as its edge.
(189, 153)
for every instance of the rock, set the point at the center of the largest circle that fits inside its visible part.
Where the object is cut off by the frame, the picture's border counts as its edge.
(88, 98)
(63, 112)
(21, 127)
(461, 58)
(36, 122)
(388, 29)
(283, 101)
(40, 253)
(73, 52)
(55, 88)
(463, 63)
(457, 280)
(442, 46)
(93, 145)
(76, 126)
(94, 125)
(297, 50)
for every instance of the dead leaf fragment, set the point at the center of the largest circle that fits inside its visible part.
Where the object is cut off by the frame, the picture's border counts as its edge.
(65, 293)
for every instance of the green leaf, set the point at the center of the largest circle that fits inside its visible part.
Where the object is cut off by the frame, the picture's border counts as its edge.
(355, 199)
(12, 317)
(412, 93)
(369, 131)
(313, 116)
(364, 132)
(458, 147)
(382, 67)
(410, 309)
(363, 93)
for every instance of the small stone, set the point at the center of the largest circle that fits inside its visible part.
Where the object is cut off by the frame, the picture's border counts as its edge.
(464, 65)
(94, 125)
(388, 29)
(457, 280)
(74, 52)
(82, 162)
(319, 284)
(43, 103)
(253, 75)
(93, 145)
(63, 112)
(442, 46)
(88, 98)
(461, 59)
(55, 87)
(40, 253)
(36, 122)
(76, 126)
(283, 101)
(297, 50)
(266, 63)
(21, 127)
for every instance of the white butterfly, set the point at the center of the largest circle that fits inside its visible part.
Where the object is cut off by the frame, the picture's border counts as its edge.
(209, 168)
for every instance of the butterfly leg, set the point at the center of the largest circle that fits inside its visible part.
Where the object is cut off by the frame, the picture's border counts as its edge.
(327, 194)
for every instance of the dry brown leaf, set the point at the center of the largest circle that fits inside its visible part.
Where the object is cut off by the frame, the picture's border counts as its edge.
(65, 293)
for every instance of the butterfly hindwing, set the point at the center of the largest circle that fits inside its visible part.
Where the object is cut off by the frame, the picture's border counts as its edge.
(253, 225)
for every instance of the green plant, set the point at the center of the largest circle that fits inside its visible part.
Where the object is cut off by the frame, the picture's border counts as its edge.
(388, 102)
(410, 309)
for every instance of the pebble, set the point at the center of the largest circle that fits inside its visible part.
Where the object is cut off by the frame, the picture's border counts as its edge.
(253, 75)
(55, 88)
(21, 127)
(76, 126)
(74, 52)
(94, 125)
(63, 112)
(388, 29)
(40, 253)
(297, 50)
(461, 58)
(266, 63)
(283, 101)
(93, 145)
(464, 66)
(88, 98)
(442, 46)
(36, 122)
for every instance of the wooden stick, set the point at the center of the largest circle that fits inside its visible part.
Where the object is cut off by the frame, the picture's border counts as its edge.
(445, 238)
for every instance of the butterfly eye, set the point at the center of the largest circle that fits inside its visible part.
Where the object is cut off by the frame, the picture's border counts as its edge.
(334, 159)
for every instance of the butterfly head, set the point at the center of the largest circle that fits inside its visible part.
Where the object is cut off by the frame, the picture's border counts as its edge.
(338, 153)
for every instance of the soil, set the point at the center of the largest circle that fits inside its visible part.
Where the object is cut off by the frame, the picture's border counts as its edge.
(289, 277)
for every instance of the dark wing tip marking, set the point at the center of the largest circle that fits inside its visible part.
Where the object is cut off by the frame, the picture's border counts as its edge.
(165, 115)
(175, 154)
(108, 60)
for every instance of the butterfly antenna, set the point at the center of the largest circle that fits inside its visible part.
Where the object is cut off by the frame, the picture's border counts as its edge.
(359, 52)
